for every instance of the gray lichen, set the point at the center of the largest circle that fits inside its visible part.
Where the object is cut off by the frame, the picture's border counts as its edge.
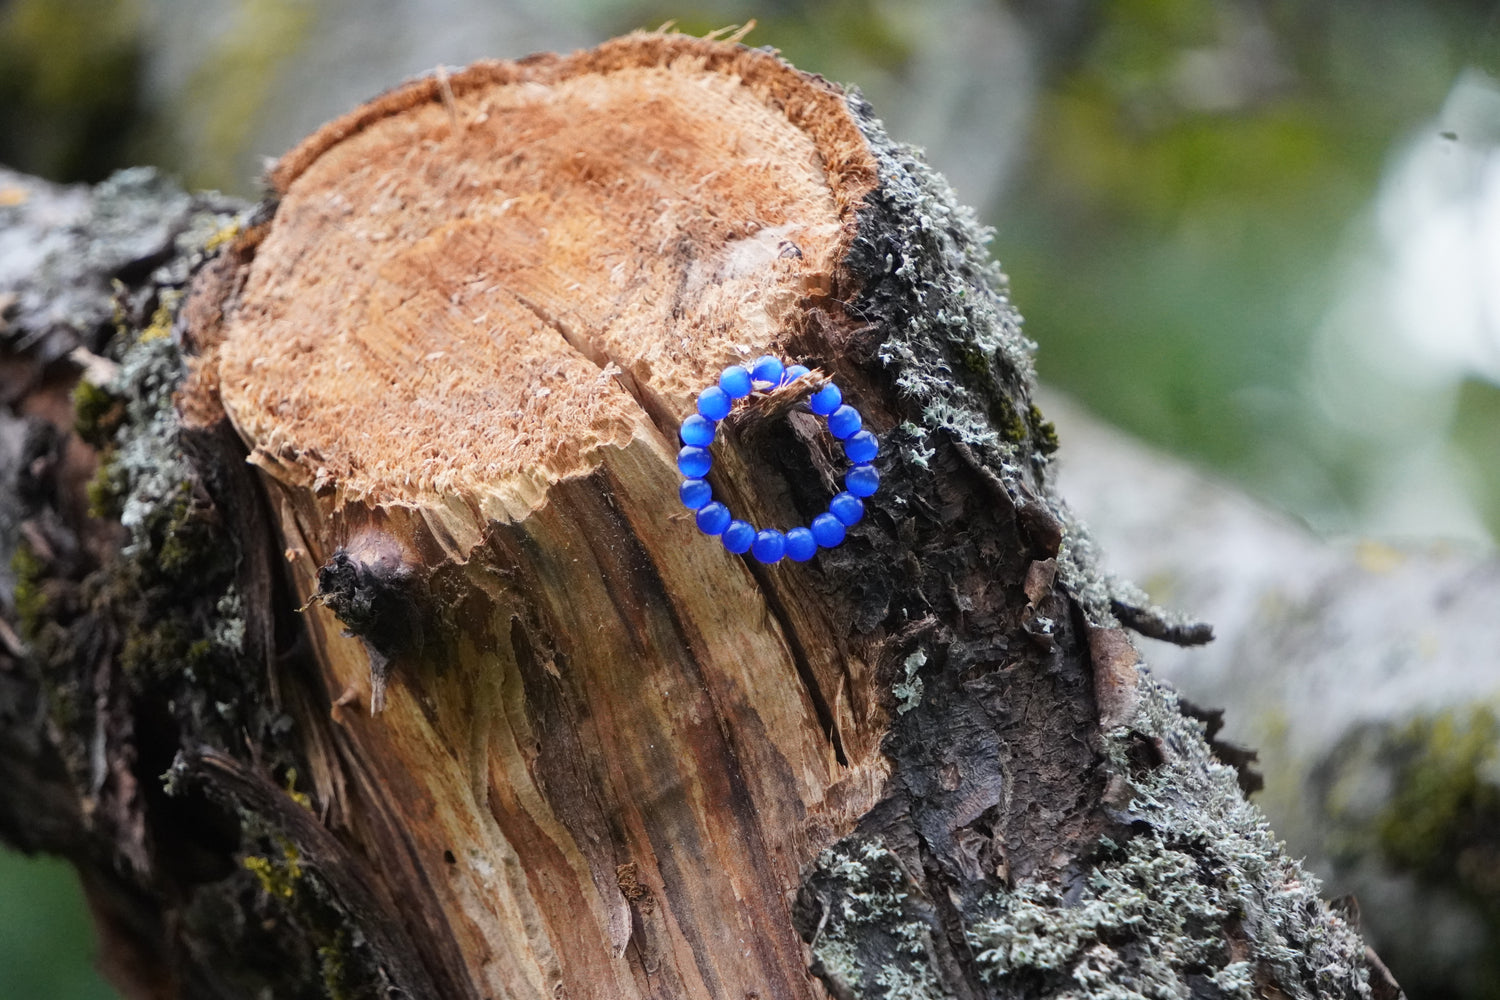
(1201, 895)
(955, 347)
(908, 691)
(1197, 899)
(61, 250)
(954, 343)
(168, 592)
(869, 905)
(1174, 887)
(137, 617)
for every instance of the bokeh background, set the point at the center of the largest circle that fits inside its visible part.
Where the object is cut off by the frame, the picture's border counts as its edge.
(1262, 235)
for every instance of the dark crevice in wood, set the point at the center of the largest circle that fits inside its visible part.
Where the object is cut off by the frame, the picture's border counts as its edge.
(820, 703)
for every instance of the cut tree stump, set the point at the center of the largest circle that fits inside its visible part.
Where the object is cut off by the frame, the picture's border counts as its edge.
(453, 698)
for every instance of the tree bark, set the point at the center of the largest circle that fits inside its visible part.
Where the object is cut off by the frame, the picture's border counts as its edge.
(449, 695)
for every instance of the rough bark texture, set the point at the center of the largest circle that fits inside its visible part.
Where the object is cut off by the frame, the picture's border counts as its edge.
(572, 747)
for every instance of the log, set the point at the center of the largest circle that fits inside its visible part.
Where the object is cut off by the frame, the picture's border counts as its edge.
(455, 699)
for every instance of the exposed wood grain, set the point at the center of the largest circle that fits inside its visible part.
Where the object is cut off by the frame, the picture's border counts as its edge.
(460, 356)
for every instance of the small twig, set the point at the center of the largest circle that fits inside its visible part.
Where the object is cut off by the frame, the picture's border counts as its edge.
(1154, 623)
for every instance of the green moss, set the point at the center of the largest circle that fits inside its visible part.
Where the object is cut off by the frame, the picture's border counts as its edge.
(1007, 420)
(1042, 431)
(163, 611)
(1416, 803)
(182, 545)
(69, 93)
(105, 492)
(278, 877)
(975, 361)
(1424, 796)
(148, 646)
(1445, 789)
(333, 967)
(169, 593)
(30, 594)
(97, 413)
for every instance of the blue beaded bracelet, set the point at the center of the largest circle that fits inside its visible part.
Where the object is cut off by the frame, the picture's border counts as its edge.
(768, 545)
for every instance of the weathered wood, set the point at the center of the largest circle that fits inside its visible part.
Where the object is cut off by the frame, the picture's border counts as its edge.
(573, 747)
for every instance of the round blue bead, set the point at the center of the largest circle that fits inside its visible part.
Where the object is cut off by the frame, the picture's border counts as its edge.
(827, 530)
(862, 480)
(844, 421)
(861, 448)
(826, 400)
(735, 382)
(713, 518)
(847, 507)
(697, 430)
(695, 493)
(694, 462)
(739, 536)
(714, 403)
(768, 369)
(794, 372)
(800, 545)
(769, 545)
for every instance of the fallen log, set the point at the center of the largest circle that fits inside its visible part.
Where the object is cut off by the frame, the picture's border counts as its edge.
(500, 720)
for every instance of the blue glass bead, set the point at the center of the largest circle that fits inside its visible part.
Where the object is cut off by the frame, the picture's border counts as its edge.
(861, 448)
(697, 430)
(769, 545)
(739, 536)
(794, 372)
(713, 518)
(735, 382)
(714, 403)
(847, 507)
(862, 480)
(694, 462)
(826, 400)
(800, 545)
(843, 422)
(695, 493)
(768, 369)
(827, 530)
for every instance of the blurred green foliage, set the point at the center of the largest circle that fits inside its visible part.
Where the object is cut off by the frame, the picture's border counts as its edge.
(1476, 434)
(70, 98)
(845, 40)
(231, 87)
(1195, 174)
(46, 941)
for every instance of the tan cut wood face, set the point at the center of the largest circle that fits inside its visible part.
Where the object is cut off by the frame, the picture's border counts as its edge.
(475, 293)
(465, 342)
